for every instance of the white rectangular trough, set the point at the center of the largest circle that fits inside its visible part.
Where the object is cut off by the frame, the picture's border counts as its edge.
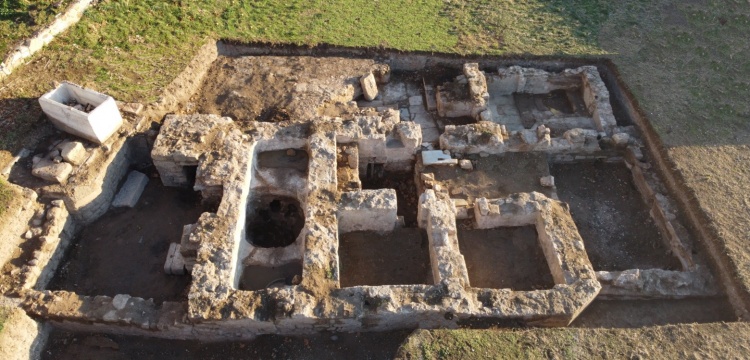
(97, 125)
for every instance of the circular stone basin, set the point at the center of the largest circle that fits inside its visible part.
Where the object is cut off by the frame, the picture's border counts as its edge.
(274, 221)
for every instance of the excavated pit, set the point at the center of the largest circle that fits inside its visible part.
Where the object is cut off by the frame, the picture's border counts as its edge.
(274, 221)
(329, 218)
(612, 218)
(123, 252)
(270, 253)
(494, 176)
(256, 277)
(399, 257)
(505, 258)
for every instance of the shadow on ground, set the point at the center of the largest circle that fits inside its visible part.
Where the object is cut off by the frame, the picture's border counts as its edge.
(63, 345)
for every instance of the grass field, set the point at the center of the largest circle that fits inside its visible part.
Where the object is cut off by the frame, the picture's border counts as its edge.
(668, 342)
(687, 62)
(20, 18)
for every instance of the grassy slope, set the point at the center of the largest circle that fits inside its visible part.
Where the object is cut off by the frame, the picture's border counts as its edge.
(19, 19)
(728, 341)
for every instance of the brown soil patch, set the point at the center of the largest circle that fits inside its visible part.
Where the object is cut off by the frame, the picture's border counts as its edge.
(397, 258)
(611, 217)
(505, 258)
(277, 88)
(494, 176)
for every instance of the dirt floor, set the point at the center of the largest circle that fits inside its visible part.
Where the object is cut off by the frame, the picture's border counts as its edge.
(639, 313)
(296, 159)
(505, 258)
(397, 258)
(123, 252)
(256, 277)
(568, 102)
(64, 345)
(494, 176)
(612, 218)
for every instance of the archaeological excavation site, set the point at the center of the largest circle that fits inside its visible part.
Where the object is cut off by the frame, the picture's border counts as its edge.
(292, 191)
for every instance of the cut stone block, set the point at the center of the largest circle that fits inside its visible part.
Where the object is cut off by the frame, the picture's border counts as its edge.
(51, 171)
(621, 140)
(547, 181)
(131, 190)
(369, 86)
(175, 264)
(132, 108)
(73, 152)
(382, 73)
(437, 157)
(367, 210)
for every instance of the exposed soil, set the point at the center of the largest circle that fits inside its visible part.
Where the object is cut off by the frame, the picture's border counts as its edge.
(278, 88)
(560, 102)
(289, 158)
(407, 197)
(505, 258)
(274, 221)
(639, 313)
(83, 346)
(611, 217)
(494, 176)
(256, 277)
(397, 258)
(123, 252)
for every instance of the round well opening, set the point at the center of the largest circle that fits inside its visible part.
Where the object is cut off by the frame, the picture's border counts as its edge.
(274, 221)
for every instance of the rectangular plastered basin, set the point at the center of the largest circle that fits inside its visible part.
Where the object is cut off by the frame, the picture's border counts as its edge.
(97, 125)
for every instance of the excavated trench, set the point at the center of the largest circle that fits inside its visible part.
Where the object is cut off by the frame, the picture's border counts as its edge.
(616, 224)
(123, 251)
(611, 217)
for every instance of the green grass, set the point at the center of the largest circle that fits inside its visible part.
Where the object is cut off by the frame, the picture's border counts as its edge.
(132, 49)
(670, 342)
(535, 27)
(20, 18)
(4, 313)
(6, 197)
